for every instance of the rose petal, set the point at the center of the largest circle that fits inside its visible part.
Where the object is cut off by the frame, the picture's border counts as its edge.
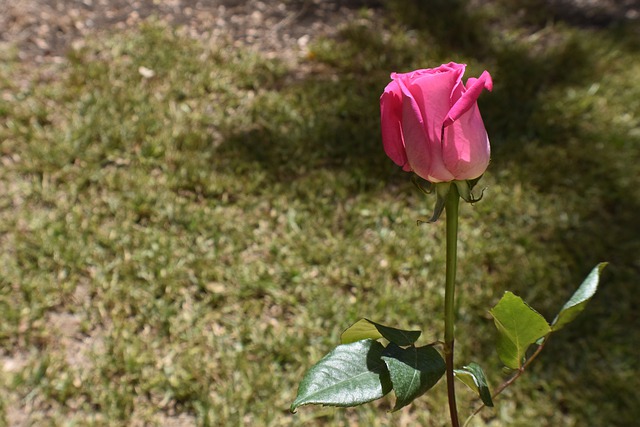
(469, 97)
(466, 149)
(391, 123)
(432, 93)
(413, 131)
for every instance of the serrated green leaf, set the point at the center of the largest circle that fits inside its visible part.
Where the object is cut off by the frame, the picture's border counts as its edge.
(519, 326)
(361, 330)
(579, 299)
(413, 371)
(368, 329)
(473, 376)
(350, 375)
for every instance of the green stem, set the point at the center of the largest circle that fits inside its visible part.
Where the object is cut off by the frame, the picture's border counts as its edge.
(451, 206)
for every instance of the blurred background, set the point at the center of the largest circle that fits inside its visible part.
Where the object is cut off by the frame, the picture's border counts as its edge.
(195, 203)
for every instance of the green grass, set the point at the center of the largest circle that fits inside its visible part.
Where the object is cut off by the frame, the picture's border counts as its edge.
(184, 247)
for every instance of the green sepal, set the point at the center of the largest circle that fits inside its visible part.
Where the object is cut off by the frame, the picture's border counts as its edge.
(350, 375)
(473, 377)
(579, 299)
(442, 189)
(472, 182)
(415, 179)
(519, 326)
(368, 329)
(413, 371)
(465, 188)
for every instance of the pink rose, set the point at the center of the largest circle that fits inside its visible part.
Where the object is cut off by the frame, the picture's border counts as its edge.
(431, 123)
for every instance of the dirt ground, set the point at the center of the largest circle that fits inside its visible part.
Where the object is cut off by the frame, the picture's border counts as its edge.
(43, 30)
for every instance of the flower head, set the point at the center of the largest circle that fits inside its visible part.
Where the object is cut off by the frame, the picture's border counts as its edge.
(431, 123)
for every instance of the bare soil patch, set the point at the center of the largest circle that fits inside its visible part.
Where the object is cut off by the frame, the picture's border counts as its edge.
(44, 30)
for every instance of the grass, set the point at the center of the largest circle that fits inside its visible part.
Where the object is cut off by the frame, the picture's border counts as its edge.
(181, 248)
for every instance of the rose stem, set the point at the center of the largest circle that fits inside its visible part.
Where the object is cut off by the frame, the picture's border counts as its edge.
(451, 206)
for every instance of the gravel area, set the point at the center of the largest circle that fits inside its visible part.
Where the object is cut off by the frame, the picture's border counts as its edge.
(43, 30)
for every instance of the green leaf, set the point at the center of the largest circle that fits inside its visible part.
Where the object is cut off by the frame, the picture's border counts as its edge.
(473, 376)
(580, 298)
(519, 326)
(361, 330)
(413, 371)
(352, 374)
(368, 329)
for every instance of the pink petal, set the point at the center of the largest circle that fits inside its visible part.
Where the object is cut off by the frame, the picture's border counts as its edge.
(415, 137)
(452, 66)
(432, 93)
(469, 97)
(391, 123)
(466, 149)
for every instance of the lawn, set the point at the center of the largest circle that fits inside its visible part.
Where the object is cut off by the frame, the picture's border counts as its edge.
(179, 248)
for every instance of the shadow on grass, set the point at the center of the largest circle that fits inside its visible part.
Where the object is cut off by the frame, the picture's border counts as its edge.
(335, 123)
(554, 153)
